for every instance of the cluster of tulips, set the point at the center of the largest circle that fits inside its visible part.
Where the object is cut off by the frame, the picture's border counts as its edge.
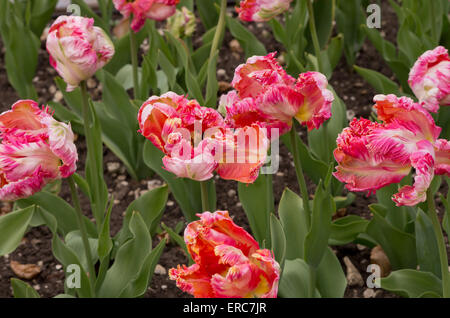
(233, 141)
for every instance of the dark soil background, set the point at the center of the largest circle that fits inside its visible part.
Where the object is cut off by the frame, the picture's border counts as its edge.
(36, 246)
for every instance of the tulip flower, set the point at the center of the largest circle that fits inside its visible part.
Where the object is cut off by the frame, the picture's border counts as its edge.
(372, 155)
(77, 49)
(145, 9)
(172, 123)
(241, 113)
(261, 10)
(35, 150)
(228, 261)
(429, 79)
(176, 126)
(277, 97)
(182, 23)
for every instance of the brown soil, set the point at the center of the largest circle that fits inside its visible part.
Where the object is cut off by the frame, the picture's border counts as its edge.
(36, 246)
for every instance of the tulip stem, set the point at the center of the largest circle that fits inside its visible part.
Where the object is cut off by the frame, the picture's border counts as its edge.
(441, 244)
(219, 29)
(300, 176)
(134, 63)
(84, 236)
(91, 158)
(205, 196)
(313, 30)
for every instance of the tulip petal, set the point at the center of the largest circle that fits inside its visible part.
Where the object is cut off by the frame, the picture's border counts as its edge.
(423, 162)
(192, 280)
(442, 151)
(259, 71)
(316, 108)
(360, 168)
(409, 115)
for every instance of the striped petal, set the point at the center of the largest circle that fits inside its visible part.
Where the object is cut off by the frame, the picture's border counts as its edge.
(423, 162)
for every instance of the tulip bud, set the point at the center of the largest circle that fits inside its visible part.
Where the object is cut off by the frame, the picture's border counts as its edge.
(77, 49)
(261, 10)
(429, 79)
(182, 23)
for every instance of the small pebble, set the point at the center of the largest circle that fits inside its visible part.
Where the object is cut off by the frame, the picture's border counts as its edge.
(112, 166)
(91, 83)
(58, 96)
(354, 278)
(52, 89)
(235, 46)
(231, 193)
(160, 270)
(221, 72)
(152, 184)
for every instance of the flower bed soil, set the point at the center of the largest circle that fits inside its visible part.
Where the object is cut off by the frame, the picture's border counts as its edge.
(36, 246)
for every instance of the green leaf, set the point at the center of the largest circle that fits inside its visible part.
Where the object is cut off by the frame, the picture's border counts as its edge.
(64, 214)
(105, 243)
(64, 296)
(278, 239)
(94, 168)
(67, 257)
(444, 122)
(74, 241)
(139, 285)
(41, 13)
(399, 246)
(23, 290)
(331, 280)
(129, 258)
(258, 211)
(345, 230)
(396, 216)
(212, 85)
(122, 54)
(322, 141)
(150, 206)
(381, 83)
(411, 283)
(349, 17)
(13, 227)
(250, 44)
(316, 240)
(426, 245)
(323, 15)
(314, 168)
(293, 219)
(22, 48)
(334, 50)
(294, 282)
(207, 12)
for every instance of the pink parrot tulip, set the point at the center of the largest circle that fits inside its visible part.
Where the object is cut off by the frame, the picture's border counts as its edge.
(145, 9)
(77, 49)
(228, 261)
(429, 79)
(35, 150)
(261, 10)
(372, 155)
